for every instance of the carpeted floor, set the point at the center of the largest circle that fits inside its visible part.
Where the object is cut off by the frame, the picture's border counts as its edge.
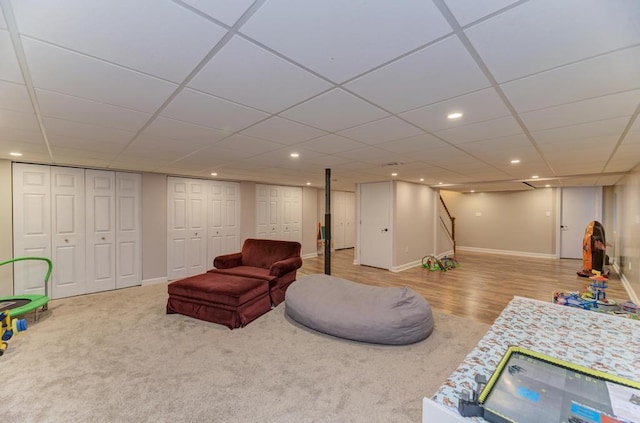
(117, 357)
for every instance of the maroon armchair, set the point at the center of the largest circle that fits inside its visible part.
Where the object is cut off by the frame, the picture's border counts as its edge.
(273, 261)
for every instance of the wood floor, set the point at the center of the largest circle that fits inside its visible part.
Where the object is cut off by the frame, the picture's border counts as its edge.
(480, 288)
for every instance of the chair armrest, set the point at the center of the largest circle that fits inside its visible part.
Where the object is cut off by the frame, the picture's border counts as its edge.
(228, 261)
(281, 267)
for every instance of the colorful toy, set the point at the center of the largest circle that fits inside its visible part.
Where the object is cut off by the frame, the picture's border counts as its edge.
(593, 251)
(573, 299)
(9, 327)
(433, 263)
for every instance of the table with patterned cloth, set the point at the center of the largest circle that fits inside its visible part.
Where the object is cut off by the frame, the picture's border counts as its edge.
(599, 341)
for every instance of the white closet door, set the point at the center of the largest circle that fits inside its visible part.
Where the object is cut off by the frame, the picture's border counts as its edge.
(32, 226)
(269, 209)
(128, 235)
(291, 213)
(187, 228)
(338, 220)
(101, 233)
(223, 216)
(350, 220)
(68, 231)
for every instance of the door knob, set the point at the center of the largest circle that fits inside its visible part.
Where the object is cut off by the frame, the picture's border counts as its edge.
(102, 238)
(66, 240)
(385, 230)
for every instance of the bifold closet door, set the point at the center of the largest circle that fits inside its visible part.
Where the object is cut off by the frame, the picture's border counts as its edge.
(187, 228)
(101, 232)
(128, 229)
(68, 242)
(31, 226)
(291, 214)
(223, 210)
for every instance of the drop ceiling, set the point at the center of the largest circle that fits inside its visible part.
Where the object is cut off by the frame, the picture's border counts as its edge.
(233, 87)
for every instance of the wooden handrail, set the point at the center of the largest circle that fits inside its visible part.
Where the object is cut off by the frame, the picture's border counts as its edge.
(452, 234)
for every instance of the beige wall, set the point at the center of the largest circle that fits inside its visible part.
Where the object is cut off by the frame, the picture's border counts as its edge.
(627, 233)
(6, 228)
(154, 226)
(413, 217)
(507, 221)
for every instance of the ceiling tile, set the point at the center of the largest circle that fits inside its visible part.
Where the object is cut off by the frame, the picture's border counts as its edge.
(15, 97)
(383, 130)
(610, 106)
(330, 144)
(446, 70)
(256, 146)
(158, 148)
(269, 83)
(466, 12)
(56, 69)
(18, 120)
(145, 35)
(609, 127)
(202, 109)
(18, 136)
(58, 130)
(226, 11)
(476, 107)
(481, 131)
(602, 75)
(77, 109)
(500, 151)
(334, 111)
(9, 69)
(3, 23)
(424, 143)
(82, 157)
(373, 155)
(544, 34)
(282, 131)
(184, 132)
(322, 35)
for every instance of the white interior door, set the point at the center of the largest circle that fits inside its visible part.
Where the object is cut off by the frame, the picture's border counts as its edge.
(32, 226)
(338, 211)
(375, 224)
(579, 206)
(350, 219)
(291, 200)
(128, 230)
(177, 228)
(68, 232)
(223, 211)
(197, 261)
(101, 230)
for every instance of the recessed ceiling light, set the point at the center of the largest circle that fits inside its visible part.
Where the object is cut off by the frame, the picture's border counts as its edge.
(394, 174)
(295, 155)
(308, 183)
(515, 161)
(15, 153)
(455, 115)
(214, 174)
(473, 190)
(421, 179)
(547, 186)
(535, 177)
(439, 183)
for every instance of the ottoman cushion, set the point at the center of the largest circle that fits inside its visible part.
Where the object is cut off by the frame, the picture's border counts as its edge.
(346, 309)
(219, 288)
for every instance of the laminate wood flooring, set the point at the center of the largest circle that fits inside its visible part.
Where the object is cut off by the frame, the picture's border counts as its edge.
(480, 288)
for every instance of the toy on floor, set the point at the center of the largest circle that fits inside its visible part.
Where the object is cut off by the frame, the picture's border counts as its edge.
(573, 299)
(593, 251)
(433, 264)
(9, 327)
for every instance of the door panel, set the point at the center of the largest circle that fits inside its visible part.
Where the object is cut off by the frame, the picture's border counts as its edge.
(101, 230)
(68, 232)
(375, 225)
(32, 226)
(579, 206)
(129, 233)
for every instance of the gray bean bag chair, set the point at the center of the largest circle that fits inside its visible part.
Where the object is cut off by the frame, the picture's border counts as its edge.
(394, 316)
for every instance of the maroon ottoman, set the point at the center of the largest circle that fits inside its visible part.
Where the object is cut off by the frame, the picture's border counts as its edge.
(232, 301)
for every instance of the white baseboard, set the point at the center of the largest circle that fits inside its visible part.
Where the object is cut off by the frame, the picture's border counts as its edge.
(308, 256)
(508, 252)
(405, 266)
(154, 281)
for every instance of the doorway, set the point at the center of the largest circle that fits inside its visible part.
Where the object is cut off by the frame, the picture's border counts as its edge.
(375, 224)
(578, 207)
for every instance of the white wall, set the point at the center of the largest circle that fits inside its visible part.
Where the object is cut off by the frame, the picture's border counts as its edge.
(520, 222)
(626, 236)
(414, 224)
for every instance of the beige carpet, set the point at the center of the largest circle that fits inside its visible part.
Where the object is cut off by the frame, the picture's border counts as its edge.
(117, 357)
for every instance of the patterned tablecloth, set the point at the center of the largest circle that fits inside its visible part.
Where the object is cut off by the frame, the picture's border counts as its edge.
(596, 340)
